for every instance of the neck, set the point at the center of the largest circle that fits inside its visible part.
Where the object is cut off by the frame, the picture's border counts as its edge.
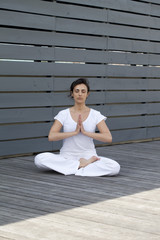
(79, 107)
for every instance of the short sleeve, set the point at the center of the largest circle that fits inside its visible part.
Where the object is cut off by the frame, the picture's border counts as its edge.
(61, 116)
(100, 117)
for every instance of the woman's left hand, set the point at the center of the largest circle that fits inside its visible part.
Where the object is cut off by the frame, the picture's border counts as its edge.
(81, 124)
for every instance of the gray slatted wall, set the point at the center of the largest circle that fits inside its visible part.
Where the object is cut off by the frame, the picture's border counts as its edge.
(45, 45)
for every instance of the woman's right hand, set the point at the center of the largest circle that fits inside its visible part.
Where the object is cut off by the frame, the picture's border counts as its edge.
(78, 128)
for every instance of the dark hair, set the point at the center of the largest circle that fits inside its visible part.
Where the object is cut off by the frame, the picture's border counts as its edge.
(79, 81)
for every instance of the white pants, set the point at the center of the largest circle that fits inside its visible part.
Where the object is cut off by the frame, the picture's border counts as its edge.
(68, 165)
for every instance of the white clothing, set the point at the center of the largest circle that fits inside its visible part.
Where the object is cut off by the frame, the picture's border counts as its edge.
(76, 147)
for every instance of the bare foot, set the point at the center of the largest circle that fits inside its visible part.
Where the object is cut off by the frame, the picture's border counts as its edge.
(84, 162)
(93, 159)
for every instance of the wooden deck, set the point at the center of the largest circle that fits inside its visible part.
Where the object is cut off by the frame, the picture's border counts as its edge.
(38, 205)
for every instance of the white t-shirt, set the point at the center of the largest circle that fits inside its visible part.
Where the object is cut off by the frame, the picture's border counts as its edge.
(78, 144)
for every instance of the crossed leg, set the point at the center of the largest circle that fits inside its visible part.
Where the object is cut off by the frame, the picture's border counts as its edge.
(85, 162)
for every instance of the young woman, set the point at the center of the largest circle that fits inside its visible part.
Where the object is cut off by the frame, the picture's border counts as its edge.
(78, 154)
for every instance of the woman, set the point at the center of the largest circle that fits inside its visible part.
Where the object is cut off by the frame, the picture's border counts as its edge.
(78, 154)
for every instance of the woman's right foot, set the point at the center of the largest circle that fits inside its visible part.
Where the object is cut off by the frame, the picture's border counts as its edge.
(84, 162)
(93, 159)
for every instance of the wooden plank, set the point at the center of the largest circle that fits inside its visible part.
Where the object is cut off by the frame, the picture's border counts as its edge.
(155, 8)
(56, 9)
(133, 45)
(153, 120)
(26, 52)
(26, 146)
(51, 38)
(94, 28)
(44, 99)
(9, 35)
(135, 19)
(26, 115)
(130, 83)
(26, 84)
(129, 135)
(19, 131)
(75, 55)
(79, 26)
(132, 71)
(153, 132)
(118, 123)
(132, 19)
(49, 69)
(26, 20)
(81, 41)
(80, 55)
(128, 6)
(153, 108)
(125, 109)
(63, 84)
(132, 96)
(37, 6)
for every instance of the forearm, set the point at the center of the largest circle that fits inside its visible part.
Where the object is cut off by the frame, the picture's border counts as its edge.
(102, 137)
(57, 136)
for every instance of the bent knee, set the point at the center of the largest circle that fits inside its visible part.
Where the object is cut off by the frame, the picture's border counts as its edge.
(40, 158)
(116, 169)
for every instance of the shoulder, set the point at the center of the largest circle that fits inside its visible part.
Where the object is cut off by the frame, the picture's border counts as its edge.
(61, 116)
(94, 112)
(97, 115)
(63, 112)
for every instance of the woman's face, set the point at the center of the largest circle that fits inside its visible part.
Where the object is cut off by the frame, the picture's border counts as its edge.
(80, 93)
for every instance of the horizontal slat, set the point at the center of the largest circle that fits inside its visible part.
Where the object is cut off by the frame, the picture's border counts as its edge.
(153, 132)
(133, 45)
(75, 55)
(126, 122)
(77, 26)
(26, 146)
(133, 19)
(25, 20)
(127, 83)
(63, 84)
(129, 6)
(129, 135)
(132, 96)
(26, 115)
(115, 110)
(26, 84)
(62, 69)
(133, 122)
(68, 40)
(26, 52)
(56, 9)
(9, 35)
(132, 71)
(35, 6)
(19, 131)
(9, 100)
(125, 109)
(49, 69)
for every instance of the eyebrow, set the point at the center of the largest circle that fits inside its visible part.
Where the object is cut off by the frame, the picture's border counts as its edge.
(80, 89)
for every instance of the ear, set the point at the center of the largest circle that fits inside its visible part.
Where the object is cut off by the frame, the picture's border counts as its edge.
(88, 94)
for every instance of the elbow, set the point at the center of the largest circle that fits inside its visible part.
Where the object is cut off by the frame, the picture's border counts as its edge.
(49, 138)
(108, 139)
